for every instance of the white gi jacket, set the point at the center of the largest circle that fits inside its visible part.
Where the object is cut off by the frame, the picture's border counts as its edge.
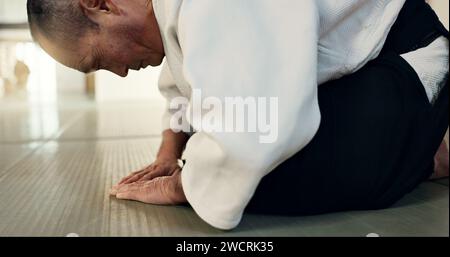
(261, 48)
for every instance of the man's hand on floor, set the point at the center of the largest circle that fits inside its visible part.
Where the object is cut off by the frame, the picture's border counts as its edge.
(159, 183)
(159, 168)
(165, 190)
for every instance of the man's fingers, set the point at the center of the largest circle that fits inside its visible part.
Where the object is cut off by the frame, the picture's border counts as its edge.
(134, 192)
(132, 180)
(113, 190)
(128, 181)
(154, 174)
(147, 192)
(135, 176)
(128, 177)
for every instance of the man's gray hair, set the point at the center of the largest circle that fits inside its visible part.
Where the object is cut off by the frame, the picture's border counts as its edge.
(61, 20)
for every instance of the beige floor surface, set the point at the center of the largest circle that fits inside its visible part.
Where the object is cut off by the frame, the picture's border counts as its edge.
(57, 164)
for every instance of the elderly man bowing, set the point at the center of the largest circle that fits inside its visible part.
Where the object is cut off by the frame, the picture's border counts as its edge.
(361, 140)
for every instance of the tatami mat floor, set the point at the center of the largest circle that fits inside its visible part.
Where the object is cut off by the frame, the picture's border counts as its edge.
(57, 164)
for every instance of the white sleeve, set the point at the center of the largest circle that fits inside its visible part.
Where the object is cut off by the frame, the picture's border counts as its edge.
(169, 91)
(256, 48)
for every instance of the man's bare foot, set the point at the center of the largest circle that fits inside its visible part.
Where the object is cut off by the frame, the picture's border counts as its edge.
(441, 167)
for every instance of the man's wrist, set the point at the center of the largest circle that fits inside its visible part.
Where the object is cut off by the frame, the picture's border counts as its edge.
(167, 158)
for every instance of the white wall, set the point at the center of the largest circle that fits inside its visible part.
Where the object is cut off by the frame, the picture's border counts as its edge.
(70, 81)
(142, 85)
(13, 11)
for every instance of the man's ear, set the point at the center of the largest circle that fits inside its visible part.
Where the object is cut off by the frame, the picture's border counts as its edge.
(95, 9)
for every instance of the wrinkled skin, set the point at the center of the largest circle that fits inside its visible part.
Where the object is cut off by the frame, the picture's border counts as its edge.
(159, 183)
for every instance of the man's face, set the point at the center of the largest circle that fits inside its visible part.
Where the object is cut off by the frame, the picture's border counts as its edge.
(127, 38)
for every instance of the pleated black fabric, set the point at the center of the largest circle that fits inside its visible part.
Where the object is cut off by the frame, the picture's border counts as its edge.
(378, 135)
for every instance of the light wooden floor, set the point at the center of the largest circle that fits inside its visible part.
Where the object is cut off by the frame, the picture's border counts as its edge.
(57, 165)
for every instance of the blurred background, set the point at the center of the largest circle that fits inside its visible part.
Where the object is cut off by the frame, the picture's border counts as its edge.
(35, 91)
(30, 79)
(28, 75)
(38, 95)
